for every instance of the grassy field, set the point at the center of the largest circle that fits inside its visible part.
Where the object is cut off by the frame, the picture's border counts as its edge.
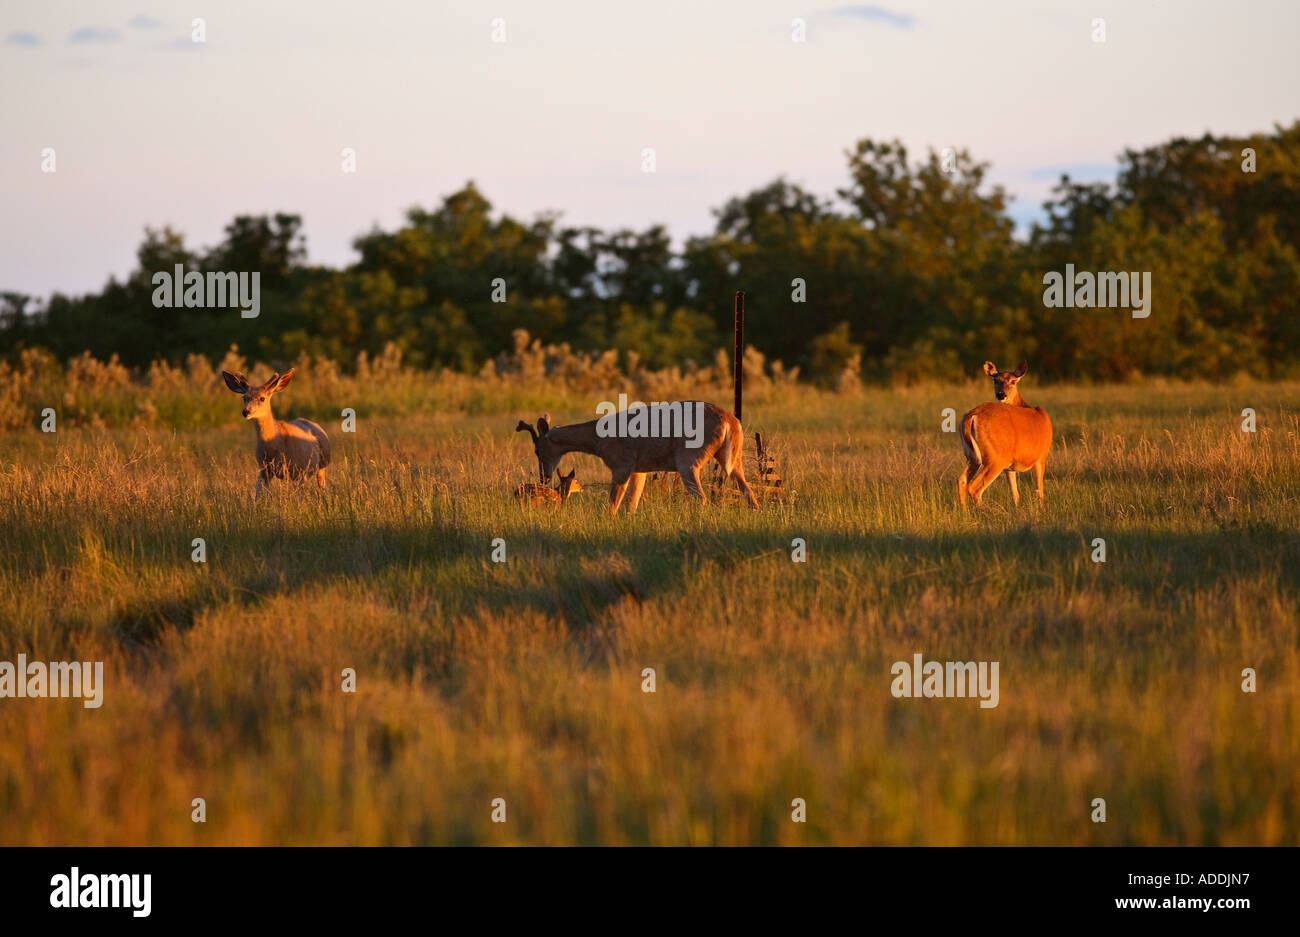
(523, 680)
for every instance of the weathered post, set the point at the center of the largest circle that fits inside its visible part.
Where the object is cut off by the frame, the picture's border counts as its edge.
(738, 356)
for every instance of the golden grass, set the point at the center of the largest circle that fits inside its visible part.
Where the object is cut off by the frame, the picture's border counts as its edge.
(478, 680)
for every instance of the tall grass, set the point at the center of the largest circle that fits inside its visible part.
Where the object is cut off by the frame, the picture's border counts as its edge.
(523, 680)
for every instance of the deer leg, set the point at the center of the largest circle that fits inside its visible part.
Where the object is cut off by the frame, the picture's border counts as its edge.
(966, 481)
(617, 488)
(983, 478)
(320, 479)
(634, 497)
(733, 466)
(689, 470)
(1015, 487)
(694, 486)
(263, 481)
(691, 482)
(739, 476)
(1039, 468)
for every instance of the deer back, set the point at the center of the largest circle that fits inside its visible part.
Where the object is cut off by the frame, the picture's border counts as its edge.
(640, 453)
(1006, 433)
(537, 495)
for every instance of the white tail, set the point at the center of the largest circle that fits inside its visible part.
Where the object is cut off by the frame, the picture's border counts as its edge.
(295, 449)
(630, 458)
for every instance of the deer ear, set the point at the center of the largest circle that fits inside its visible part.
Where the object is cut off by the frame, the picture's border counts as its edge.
(235, 382)
(283, 381)
(990, 368)
(544, 425)
(1021, 369)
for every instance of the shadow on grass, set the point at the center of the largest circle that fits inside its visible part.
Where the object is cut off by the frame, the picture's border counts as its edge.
(577, 576)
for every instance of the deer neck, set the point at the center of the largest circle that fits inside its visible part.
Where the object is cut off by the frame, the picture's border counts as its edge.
(266, 427)
(579, 437)
(1018, 401)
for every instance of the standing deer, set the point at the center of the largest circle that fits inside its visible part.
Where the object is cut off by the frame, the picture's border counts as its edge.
(538, 496)
(291, 449)
(1007, 436)
(630, 458)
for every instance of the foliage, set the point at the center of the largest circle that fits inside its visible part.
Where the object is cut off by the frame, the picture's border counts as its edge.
(912, 266)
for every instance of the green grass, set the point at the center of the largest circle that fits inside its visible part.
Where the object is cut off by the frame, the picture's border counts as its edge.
(523, 680)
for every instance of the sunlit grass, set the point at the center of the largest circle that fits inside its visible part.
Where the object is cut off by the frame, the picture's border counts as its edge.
(478, 680)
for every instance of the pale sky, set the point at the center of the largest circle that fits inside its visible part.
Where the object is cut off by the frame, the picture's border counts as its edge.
(150, 128)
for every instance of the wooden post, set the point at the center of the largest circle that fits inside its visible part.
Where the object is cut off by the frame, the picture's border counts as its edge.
(738, 356)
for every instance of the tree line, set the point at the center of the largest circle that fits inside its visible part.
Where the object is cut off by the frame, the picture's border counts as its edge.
(912, 269)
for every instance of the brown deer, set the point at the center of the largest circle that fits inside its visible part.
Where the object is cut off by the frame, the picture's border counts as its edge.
(292, 449)
(630, 458)
(1004, 436)
(538, 496)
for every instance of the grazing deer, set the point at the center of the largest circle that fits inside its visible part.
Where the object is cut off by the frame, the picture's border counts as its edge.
(1007, 436)
(294, 449)
(630, 458)
(545, 496)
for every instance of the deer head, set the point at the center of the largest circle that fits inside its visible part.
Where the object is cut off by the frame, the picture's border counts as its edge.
(569, 485)
(547, 456)
(1004, 382)
(257, 400)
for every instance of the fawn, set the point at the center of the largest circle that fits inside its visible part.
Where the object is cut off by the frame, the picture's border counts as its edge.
(291, 449)
(631, 458)
(544, 496)
(1006, 436)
